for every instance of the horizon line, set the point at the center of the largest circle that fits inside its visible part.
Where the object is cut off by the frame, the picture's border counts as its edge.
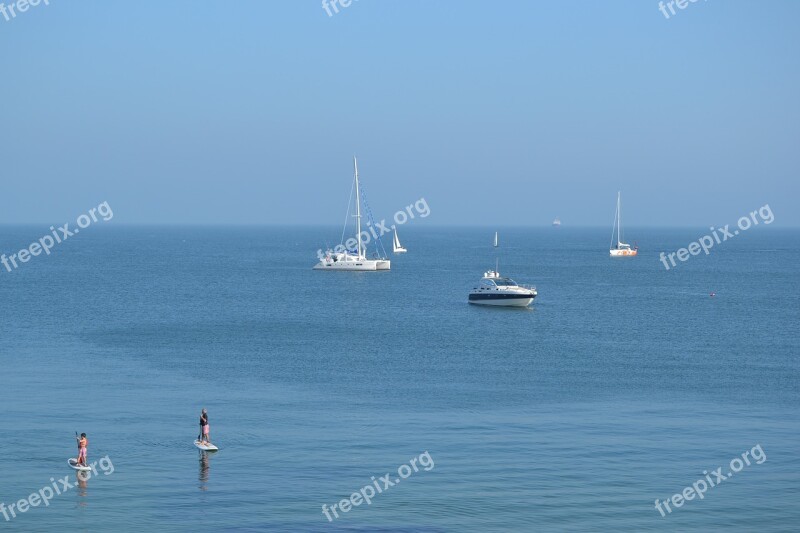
(319, 225)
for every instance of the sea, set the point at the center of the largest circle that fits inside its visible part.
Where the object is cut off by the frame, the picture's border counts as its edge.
(622, 386)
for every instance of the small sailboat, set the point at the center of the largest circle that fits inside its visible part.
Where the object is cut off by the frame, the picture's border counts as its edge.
(496, 242)
(396, 246)
(620, 249)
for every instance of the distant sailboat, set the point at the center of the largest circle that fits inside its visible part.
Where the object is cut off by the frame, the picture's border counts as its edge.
(396, 246)
(620, 249)
(496, 242)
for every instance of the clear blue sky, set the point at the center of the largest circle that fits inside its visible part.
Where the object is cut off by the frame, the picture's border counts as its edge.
(501, 112)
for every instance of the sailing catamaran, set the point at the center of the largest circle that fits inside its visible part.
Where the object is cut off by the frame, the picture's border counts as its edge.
(342, 257)
(621, 249)
(396, 246)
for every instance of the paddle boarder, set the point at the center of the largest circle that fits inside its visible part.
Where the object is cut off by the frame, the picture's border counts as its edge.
(83, 445)
(204, 429)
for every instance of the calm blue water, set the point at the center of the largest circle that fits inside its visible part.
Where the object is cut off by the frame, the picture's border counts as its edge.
(621, 385)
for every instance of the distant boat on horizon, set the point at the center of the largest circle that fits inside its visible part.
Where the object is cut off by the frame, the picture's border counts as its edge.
(496, 241)
(620, 249)
(556, 222)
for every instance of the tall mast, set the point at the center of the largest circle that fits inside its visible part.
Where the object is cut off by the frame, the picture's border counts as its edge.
(614, 225)
(619, 222)
(358, 208)
(619, 219)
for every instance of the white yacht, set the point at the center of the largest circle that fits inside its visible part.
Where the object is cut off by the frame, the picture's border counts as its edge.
(343, 259)
(620, 249)
(494, 289)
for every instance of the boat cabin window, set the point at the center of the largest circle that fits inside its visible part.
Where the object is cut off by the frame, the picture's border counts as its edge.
(497, 282)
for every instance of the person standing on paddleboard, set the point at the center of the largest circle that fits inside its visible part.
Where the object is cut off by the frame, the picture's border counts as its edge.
(83, 445)
(204, 429)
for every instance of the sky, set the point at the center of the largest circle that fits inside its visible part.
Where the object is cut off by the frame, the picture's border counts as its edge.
(497, 113)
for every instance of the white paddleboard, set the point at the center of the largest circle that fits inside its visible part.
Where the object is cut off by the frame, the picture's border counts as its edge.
(73, 464)
(206, 447)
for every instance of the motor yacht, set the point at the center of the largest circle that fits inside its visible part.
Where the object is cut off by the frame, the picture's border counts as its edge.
(494, 289)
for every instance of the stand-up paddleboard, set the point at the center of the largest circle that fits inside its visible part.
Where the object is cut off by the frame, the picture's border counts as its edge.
(207, 447)
(73, 464)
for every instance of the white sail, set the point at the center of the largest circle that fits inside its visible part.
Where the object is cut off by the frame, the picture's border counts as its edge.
(496, 242)
(396, 246)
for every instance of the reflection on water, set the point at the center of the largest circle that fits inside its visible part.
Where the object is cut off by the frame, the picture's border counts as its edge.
(82, 484)
(203, 470)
